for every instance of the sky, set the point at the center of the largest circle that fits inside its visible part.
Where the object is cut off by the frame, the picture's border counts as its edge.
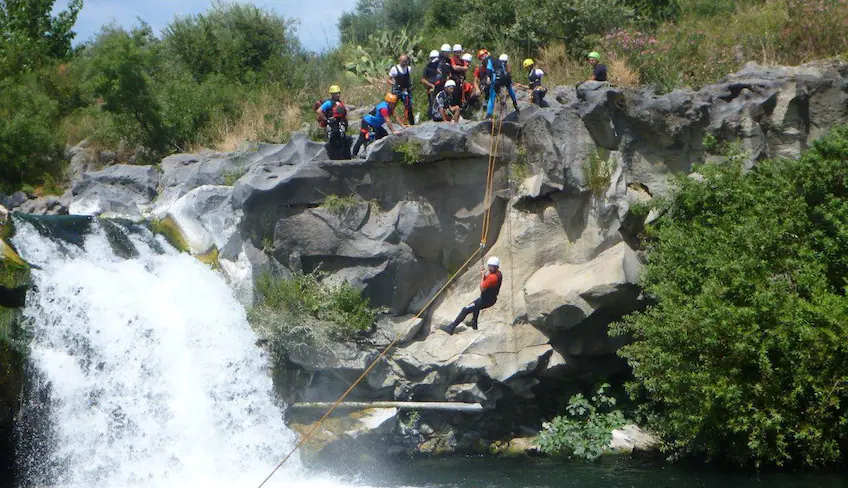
(317, 18)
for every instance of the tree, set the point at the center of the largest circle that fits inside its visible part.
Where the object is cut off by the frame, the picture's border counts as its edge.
(745, 356)
(237, 41)
(30, 34)
(119, 71)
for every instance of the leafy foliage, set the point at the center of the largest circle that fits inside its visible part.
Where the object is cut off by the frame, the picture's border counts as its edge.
(30, 146)
(242, 43)
(337, 204)
(586, 429)
(744, 355)
(409, 151)
(598, 172)
(381, 52)
(304, 310)
(31, 36)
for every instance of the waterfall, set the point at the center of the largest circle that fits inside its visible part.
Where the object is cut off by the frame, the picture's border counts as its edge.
(145, 370)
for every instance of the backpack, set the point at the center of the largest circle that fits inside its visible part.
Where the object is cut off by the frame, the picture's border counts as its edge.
(500, 70)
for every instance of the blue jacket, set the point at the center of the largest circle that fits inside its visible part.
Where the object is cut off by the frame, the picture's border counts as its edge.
(379, 119)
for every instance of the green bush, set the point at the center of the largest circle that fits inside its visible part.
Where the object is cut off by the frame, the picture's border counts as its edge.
(338, 205)
(242, 43)
(743, 355)
(32, 36)
(304, 310)
(30, 145)
(119, 70)
(409, 151)
(598, 172)
(586, 429)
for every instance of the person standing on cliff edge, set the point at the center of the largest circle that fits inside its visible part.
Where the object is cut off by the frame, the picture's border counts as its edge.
(490, 286)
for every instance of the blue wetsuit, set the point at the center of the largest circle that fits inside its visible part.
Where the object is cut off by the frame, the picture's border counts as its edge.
(495, 86)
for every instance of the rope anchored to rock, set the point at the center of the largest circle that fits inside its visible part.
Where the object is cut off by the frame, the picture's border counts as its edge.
(490, 182)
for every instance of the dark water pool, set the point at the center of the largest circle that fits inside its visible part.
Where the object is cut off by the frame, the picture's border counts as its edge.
(478, 472)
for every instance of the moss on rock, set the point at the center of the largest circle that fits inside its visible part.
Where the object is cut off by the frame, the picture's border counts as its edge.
(169, 229)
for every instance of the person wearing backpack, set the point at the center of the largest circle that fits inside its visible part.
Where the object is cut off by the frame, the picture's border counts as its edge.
(371, 126)
(481, 74)
(534, 83)
(459, 69)
(400, 79)
(431, 78)
(332, 115)
(500, 77)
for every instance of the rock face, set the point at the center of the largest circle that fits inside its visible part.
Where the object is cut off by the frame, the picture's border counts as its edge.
(121, 190)
(399, 223)
(49, 205)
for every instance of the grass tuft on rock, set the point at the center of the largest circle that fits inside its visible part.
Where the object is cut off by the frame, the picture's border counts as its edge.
(305, 311)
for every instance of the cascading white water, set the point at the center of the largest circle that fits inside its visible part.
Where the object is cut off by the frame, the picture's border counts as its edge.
(153, 374)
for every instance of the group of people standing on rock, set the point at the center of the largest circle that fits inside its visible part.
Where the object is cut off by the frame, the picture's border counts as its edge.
(454, 91)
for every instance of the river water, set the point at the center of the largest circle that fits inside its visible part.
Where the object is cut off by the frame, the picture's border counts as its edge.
(480, 472)
(144, 373)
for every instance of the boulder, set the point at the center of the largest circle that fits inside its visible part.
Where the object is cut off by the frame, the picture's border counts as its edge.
(49, 205)
(631, 439)
(205, 218)
(16, 199)
(560, 296)
(118, 191)
(360, 431)
(82, 158)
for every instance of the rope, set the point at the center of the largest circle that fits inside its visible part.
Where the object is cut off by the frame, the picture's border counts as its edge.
(490, 183)
(490, 177)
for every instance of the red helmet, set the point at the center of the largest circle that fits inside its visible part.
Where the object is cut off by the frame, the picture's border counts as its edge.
(482, 53)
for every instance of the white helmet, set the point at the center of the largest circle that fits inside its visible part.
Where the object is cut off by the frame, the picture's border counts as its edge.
(467, 57)
(434, 54)
(503, 57)
(450, 84)
(493, 261)
(457, 47)
(446, 48)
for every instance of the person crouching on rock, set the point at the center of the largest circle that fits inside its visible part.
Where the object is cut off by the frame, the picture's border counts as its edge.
(489, 289)
(445, 107)
(371, 127)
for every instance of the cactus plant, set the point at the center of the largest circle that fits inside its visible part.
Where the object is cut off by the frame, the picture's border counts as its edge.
(380, 52)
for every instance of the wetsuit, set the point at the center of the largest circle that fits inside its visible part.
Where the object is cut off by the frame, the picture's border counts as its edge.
(432, 75)
(372, 123)
(600, 72)
(537, 91)
(497, 82)
(338, 146)
(458, 75)
(403, 89)
(442, 101)
(490, 287)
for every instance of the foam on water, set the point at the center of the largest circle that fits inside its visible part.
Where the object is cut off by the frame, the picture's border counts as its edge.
(153, 374)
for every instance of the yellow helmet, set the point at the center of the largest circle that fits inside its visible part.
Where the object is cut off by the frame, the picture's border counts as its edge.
(528, 63)
(335, 89)
(391, 98)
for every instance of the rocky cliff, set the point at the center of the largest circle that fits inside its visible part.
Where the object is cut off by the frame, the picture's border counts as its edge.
(565, 181)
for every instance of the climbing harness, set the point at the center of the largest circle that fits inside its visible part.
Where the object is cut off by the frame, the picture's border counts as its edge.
(487, 215)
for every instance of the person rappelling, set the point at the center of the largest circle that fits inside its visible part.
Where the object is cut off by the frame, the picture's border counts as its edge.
(490, 286)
